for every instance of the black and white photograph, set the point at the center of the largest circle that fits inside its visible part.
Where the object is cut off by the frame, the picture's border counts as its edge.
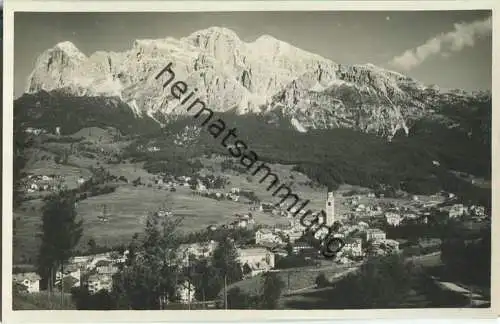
(251, 160)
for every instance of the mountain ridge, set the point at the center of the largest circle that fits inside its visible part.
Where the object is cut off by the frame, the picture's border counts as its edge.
(266, 76)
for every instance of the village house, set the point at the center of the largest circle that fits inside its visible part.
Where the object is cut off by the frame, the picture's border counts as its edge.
(265, 235)
(266, 208)
(197, 250)
(360, 208)
(186, 292)
(30, 280)
(343, 260)
(258, 259)
(72, 270)
(477, 210)
(81, 181)
(96, 258)
(76, 274)
(354, 247)
(81, 259)
(304, 248)
(457, 210)
(375, 234)
(153, 149)
(98, 282)
(293, 234)
(239, 223)
(249, 217)
(411, 216)
(393, 219)
(212, 227)
(108, 269)
(201, 187)
(363, 225)
(34, 131)
(279, 252)
(387, 245)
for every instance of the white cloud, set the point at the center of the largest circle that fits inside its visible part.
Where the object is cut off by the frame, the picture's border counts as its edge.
(463, 36)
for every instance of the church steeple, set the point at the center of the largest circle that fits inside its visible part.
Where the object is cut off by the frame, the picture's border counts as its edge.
(330, 209)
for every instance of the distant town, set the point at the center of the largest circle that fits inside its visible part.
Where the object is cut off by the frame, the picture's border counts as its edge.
(364, 215)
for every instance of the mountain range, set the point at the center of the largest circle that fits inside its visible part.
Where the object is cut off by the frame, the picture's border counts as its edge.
(265, 77)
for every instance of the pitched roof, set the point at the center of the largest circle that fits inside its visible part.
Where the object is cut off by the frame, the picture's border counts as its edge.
(31, 276)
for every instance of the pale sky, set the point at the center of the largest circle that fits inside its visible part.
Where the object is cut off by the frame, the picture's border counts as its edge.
(449, 48)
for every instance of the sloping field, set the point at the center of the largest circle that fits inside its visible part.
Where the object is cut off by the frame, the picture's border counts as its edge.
(128, 207)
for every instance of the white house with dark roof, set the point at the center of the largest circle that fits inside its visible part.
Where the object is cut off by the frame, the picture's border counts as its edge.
(393, 219)
(265, 235)
(375, 234)
(186, 291)
(258, 259)
(353, 246)
(98, 282)
(197, 250)
(30, 280)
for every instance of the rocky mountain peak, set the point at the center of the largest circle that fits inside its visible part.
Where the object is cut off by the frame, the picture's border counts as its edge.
(69, 48)
(264, 76)
(215, 40)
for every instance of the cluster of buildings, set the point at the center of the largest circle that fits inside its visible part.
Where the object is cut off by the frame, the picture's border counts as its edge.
(416, 209)
(459, 210)
(38, 131)
(35, 131)
(242, 221)
(169, 183)
(95, 271)
(188, 136)
(199, 185)
(37, 183)
(50, 183)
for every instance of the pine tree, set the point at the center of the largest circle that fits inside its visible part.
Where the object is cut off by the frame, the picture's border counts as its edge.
(228, 268)
(225, 260)
(271, 290)
(206, 280)
(61, 232)
(150, 273)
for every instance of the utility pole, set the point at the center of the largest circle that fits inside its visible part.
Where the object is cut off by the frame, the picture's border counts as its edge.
(288, 275)
(225, 291)
(62, 286)
(203, 293)
(225, 277)
(49, 285)
(189, 283)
